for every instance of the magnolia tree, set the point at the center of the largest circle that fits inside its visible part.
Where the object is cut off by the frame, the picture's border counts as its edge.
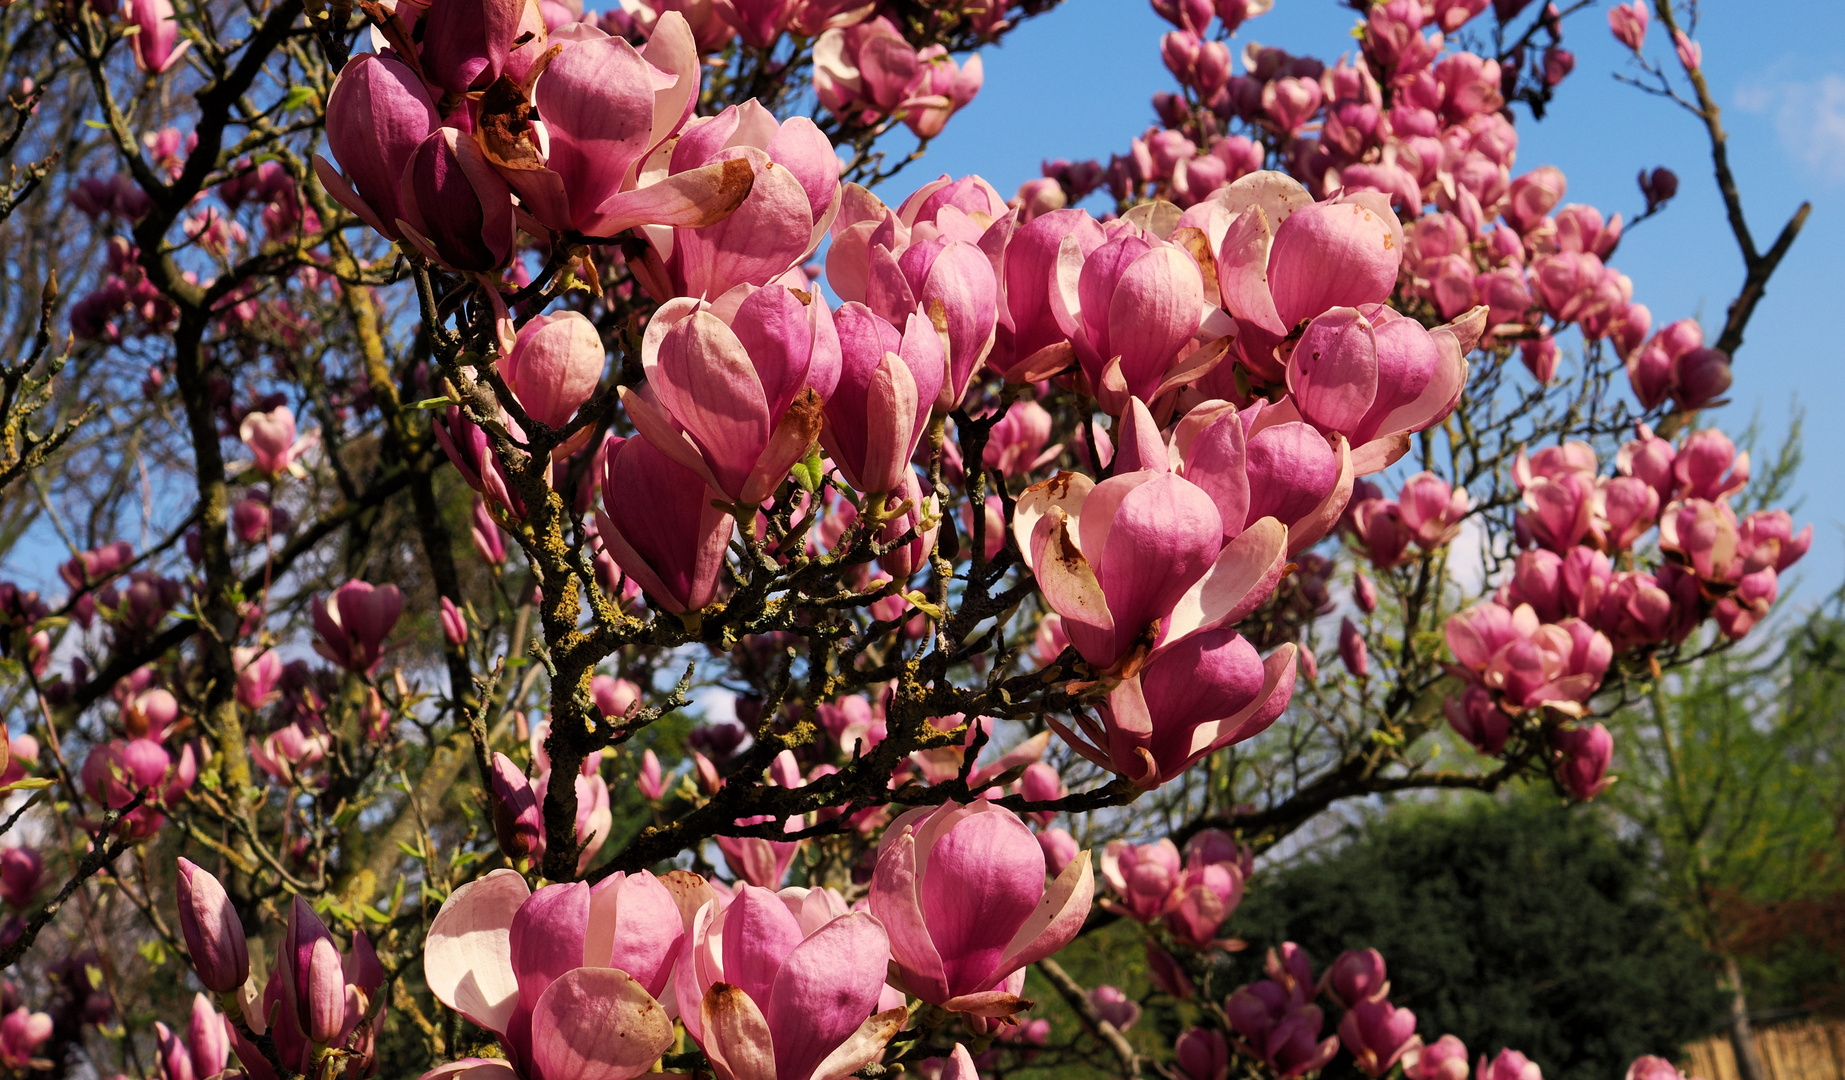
(572, 571)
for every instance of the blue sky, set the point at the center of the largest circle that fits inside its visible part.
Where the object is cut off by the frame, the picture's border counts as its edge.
(1076, 83)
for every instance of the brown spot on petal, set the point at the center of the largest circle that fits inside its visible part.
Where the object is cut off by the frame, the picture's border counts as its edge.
(504, 129)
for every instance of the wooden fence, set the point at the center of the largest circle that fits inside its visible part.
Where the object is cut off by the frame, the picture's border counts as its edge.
(1812, 1049)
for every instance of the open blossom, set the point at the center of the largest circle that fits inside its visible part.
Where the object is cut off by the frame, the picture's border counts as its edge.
(793, 196)
(1091, 566)
(606, 107)
(785, 986)
(1444, 1059)
(271, 439)
(956, 955)
(352, 624)
(567, 977)
(735, 388)
(869, 70)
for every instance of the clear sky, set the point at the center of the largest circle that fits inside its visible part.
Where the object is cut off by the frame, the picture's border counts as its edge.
(1076, 83)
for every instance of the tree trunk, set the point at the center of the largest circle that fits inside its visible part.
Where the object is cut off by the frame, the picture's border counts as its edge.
(1742, 1035)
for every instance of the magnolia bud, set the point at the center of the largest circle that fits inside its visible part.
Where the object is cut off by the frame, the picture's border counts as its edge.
(214, 936)
(516, 821)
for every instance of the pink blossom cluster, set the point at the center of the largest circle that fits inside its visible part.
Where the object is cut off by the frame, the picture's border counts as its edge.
(1192, 898)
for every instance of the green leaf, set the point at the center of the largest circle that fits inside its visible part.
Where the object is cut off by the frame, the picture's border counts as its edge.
(30, 783)
(298, 97)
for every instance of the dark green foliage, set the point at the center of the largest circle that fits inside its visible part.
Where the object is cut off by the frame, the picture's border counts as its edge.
(1516, 924)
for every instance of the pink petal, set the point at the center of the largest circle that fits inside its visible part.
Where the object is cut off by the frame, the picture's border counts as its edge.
(759, 933)
(1333, 373)
(736, 1037)
(468, 959)
(826, 988)
(597, 1024)
(985, 878)
(692, 199)
(1065, 491)
(1056, 920)
(1161, 540)
(1243, 576)
(862, 1046)
(894, 903)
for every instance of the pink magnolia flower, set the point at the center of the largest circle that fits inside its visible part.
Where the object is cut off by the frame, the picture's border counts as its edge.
(1444, 1059)
(566, 978)
(594, 816)
(945, 88)
(1115, 1007)
(1143, 876)
(1559, 666)
(949, 279)
(554, 366)
(271, 439)
(1130, 312)
(350, 626)
(153, 47)
(615, 698)
(1628, 23)
(1509, 1065)
(1358, 975)
(1091, 565)
(1648, 1067)
(651, 780)
(1380, 530)
(1039, 196)
(868, 71)
(791, 204)
(1209, 889)
(958, 956)
(255, 520)
(1690, 53)
(1708, 466)
(1625, 509)
(22, 870)
(1031, 340)
(206, 1049)
(785, 986)
(887, 387)
(1379, 378)
(1280, 1030)
(1377, 1034)
(454, 624)
(1203, 1054)
(467, 46)
(1432, 510)
(489, 541)
(22, 1032)
(1477, 718)
(468, 449)
(1060, 849)
(457, 209)
(606, 108)
(1352, 650)
(658, 524)
(116, 771)
(1016, 444)
(1584, 755)
(517, 822)
(1257, 462)
(289, 751)
(735, 388)
(258, 673)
